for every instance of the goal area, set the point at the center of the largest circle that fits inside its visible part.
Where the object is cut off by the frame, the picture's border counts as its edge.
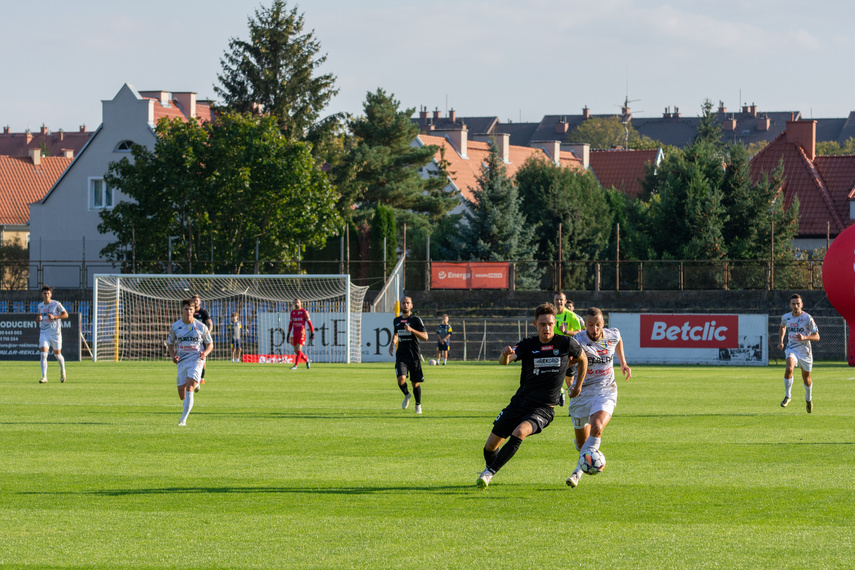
(132, 314)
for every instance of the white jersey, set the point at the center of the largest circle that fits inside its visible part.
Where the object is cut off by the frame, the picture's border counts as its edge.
(48, 327)
(803, 324)
(188, 339)
(600, 353)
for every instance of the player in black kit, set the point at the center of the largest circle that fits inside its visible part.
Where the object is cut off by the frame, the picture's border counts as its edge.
(408, 330)
(545, 359)
(202, 316)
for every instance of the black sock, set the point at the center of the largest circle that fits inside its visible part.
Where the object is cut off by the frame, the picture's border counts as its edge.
(508, 450)
(203, 372)
(417, 392)
(403, 388)
(489, 456)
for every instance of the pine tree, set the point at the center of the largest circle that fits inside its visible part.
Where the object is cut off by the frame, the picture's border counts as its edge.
(494, 228)
(274, 73)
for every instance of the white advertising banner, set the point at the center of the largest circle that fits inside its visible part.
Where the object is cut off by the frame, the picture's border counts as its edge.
(680, 338)
(330, 340)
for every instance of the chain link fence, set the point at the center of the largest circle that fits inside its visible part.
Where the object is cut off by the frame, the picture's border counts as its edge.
(484, 338)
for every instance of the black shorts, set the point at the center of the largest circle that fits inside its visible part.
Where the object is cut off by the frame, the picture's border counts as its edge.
(235, 343)
(515, 414)
(443, 346)
(414, 369)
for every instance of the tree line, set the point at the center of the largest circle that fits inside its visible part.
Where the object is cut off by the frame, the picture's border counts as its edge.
(273, 177)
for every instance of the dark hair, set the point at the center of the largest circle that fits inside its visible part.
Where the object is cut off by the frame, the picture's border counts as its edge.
(47, 288)
(189, 302)
(795, 296)
(594, 312)
(545, 309)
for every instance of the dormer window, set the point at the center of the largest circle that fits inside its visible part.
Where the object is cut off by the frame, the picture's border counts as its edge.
(125, 146)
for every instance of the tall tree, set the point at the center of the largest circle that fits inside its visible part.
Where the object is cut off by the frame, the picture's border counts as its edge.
(274, 72)
(382, 166)
(220, 187)
(709, 129)
(610, 132)
(494, 227)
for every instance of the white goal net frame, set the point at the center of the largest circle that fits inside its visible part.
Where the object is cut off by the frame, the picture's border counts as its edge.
(132, 313)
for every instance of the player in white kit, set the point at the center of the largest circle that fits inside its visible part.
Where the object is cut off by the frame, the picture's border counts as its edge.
(50, 318)
(189, 343)
(799, 329)
(592, 409)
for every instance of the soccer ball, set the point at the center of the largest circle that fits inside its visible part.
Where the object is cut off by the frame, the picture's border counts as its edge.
(592, 462)
(432, 362)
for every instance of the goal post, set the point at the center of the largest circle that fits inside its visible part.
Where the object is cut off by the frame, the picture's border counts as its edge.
(132, 313)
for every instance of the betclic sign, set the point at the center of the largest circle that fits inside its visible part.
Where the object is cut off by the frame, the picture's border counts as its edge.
(470, 275)
(673, 338)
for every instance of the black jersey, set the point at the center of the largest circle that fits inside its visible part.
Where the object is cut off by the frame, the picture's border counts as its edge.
(544, 366)
(408, 343)
(202, 316)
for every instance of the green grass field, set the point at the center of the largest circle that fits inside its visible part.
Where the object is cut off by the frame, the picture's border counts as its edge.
(322, 469)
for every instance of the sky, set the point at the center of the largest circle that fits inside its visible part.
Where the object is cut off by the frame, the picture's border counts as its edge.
(517, 60)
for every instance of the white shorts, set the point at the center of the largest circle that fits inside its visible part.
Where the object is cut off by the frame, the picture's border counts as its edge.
(191, 368)
(584, 406)
(803, 361)
(50, 340)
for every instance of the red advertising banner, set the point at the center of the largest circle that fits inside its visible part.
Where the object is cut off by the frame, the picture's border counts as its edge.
(268, 358)
(470, 275)
(689, 331)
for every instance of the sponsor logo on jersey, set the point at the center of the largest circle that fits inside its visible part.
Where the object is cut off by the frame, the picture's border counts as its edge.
(689, 331)
(545, 348)
(548, 362)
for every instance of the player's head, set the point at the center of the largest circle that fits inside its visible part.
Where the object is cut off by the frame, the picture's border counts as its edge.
(594, 323)
(298, 304)
(445, 319)
(235, 316)
(196, 301)
(47, 292)
(544, 321)
(570, 306)
(406, 305)
(796, 302)
(559, 300)
(188, 307)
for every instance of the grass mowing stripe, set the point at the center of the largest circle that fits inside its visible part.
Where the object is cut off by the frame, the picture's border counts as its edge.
(323, 469)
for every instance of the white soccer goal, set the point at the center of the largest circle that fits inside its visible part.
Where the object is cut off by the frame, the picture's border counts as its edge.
(132, 313)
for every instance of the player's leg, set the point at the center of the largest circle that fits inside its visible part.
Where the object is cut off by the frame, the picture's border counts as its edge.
(56, 345)
(510, 448)
(43, 354)
(238, 348)
(189, 392)
(445, 349)
(416, 378)
(788, 378)
(808, 382)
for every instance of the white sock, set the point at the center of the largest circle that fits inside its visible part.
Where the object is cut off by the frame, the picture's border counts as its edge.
(43, 364)
(808, 393)
(591, 443)
(188, 404)
(61, 359)
(788, 387)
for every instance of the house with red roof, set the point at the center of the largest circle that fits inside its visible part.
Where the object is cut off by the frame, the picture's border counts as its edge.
(466, 156)
(624, 169)
(22, 181)
(51, 143)
(824, 185)
(64, 222)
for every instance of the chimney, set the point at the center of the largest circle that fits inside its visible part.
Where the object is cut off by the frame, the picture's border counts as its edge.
(753, 110)
(551, 148)
(562, 126)
(437, 114)
(763, 123)
(423, 114)
(582, 151)
(6, 130)
(803, 133)
(721, 108)
(162, 96)
(676, 113)
(44, 130)
(459, 138)
(36, 156)
(452, 115)
(187, 101)
(586, 112)
(61, 135)
(729, 124)
(67, 153)
(83, 128)
(502, 142)
(667, 113)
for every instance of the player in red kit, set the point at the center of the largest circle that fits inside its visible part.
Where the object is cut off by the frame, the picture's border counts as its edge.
(297, 325)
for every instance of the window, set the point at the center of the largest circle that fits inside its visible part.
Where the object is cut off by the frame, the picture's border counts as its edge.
(125, 146)
(100, 195)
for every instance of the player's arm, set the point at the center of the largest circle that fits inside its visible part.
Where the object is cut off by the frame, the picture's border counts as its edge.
(422, 334)
(311, 327)
(813, 336)
(508, 355)
(64, 315)
(172, 354)
(781, 339)
(394, 343)
(581, 372)
(624, 367)
(208, 343)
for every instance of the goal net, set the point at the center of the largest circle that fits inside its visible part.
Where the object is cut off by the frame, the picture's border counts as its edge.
(132, 314)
